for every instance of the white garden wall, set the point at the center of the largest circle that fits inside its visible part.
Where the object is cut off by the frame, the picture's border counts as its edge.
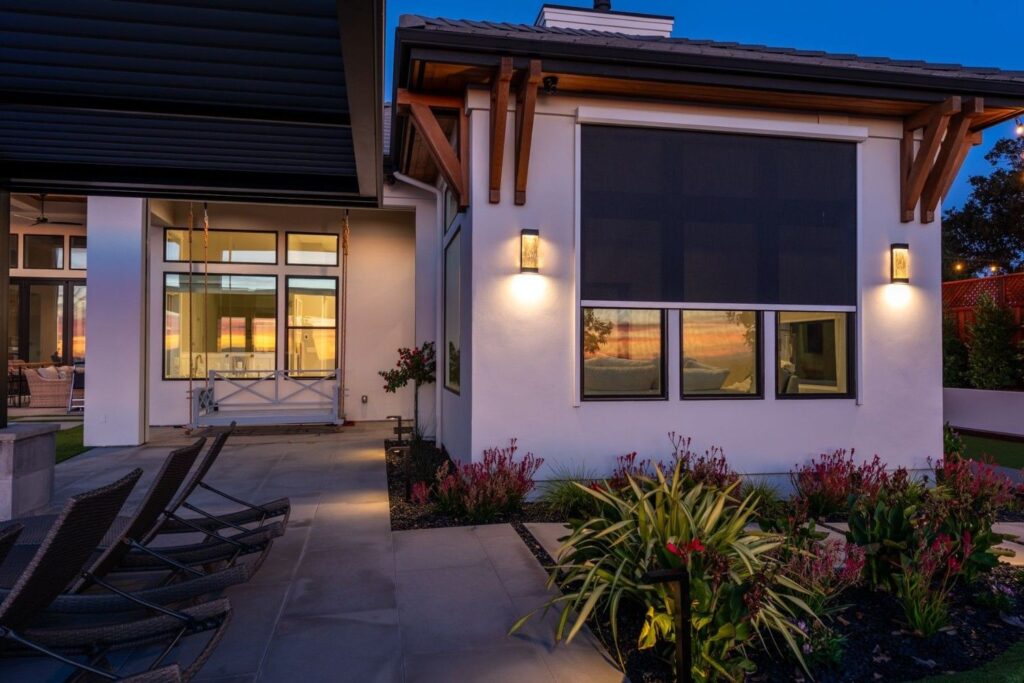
(524, 356)
(1000, 412)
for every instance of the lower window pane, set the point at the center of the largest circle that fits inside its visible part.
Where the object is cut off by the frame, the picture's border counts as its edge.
(622, 353)
(312, 350)
(720, 352)
(813, 353)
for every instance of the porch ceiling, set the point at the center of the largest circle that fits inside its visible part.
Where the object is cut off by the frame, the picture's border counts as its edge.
(226, 99)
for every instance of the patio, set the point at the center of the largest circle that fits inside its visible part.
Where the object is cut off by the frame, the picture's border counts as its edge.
(340, 596)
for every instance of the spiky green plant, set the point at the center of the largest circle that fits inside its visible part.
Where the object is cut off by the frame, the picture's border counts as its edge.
(565, 494)
(738, 593)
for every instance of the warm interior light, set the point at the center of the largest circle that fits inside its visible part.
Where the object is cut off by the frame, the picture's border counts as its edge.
(900, 270)
(529, 249)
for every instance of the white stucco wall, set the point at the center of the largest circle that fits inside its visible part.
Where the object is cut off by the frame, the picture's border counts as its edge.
(999, 412)
(115, 353)
(381, 286)
(524, 347)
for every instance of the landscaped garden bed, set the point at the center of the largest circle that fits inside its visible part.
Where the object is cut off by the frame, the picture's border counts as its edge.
(915, 589)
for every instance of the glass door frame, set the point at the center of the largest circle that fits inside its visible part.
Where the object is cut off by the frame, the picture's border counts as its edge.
(22, 285)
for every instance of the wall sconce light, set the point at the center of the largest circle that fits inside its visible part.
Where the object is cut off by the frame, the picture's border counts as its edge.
(529, 249)
(900, 263)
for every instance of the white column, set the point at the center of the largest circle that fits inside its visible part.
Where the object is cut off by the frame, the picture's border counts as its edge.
(115, 412)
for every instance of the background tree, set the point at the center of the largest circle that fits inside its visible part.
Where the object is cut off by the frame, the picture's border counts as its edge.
(417, 365)
(954, 356)
(993, 359)
(989, 228)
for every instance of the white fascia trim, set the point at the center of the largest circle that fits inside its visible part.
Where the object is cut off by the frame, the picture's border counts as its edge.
(614, 116)
(591, 303)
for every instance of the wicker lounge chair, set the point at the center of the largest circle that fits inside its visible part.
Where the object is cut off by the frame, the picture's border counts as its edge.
(71, 541)
(128, 544)
(250, 513)
(48, 392)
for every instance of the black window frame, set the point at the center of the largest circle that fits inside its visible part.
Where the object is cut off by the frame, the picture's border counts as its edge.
(337, 249)
(456, 234)
(851, 361)
(759, 360)
(275, 262)
(67, 285)
(71, 250)
(163, 317)
(337, 323)
(63, 250)
(663, 371)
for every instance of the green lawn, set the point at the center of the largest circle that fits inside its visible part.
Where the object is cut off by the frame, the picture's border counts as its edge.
(1006, 668)
(69, 443)
(1002, 451)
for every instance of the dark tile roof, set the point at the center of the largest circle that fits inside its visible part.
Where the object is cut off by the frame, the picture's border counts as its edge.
(706, 48)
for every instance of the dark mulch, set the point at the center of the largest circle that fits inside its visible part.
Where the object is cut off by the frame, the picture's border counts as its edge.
(879, 648)
(426, 460)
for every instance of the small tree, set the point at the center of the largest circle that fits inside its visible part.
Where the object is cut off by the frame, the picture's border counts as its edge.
(416, 365)
(993, 358)
(954, 356)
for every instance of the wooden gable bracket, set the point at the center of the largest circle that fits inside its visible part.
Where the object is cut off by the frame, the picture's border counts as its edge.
(957, 143)
(526, 107)
(915, 168)
(499, 121)
(453, 167)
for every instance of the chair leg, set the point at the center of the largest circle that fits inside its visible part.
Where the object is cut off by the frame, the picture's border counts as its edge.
(200, 660)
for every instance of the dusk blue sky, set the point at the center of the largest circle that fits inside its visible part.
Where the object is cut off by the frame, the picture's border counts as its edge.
(970, 32)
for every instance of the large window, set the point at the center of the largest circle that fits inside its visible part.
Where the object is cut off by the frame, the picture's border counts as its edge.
(221, 322)
(452, 314)
(44, 252)
(312, 324)
(225, 246)
(687, 216)
(720, 354)
(623, 353)
(814, 354)
(312, 249)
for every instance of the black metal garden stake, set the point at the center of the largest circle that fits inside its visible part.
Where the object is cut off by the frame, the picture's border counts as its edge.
(680, 580)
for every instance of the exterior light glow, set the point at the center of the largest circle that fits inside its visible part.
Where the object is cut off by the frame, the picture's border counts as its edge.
(1019, 128)
(529, 251)
(958, 267)
(993, 268)
(900, 263)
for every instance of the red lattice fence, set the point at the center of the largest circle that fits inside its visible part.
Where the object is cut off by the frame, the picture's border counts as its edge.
(961, 296)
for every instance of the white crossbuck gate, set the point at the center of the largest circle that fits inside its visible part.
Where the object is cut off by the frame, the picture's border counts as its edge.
(267, 398)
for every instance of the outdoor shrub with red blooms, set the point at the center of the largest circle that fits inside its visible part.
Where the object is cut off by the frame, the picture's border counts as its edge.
(927, 577)
(710, 469)
(826, 570)
(626, 467)
(482, 491)
(421, 494)
(964, 504)
(827, 483)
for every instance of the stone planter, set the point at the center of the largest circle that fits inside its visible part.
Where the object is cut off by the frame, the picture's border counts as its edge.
(27, 455)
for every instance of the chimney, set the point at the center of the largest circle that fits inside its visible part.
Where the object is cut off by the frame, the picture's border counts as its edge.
(603, 18)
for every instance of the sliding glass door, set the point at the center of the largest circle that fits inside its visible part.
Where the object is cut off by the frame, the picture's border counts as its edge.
(46, 321)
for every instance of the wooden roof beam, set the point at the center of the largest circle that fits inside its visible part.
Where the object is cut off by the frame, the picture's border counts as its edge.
(444, 156)
(955, 146)
(499, 122)
(915, 168)
(526, 107)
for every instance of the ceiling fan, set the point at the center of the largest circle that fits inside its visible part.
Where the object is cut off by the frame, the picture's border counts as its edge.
(41, 219)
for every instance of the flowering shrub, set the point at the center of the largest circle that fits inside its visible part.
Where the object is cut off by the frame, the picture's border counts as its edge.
(710, 469)
(827, 483)
(481, 491)
(926, 578)
(421, 493)
(826, 570)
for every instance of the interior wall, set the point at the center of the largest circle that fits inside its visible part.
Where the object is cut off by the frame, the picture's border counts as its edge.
(524, 356)
(380, 294)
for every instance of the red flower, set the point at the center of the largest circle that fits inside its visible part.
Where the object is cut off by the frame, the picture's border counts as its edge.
(694, 546)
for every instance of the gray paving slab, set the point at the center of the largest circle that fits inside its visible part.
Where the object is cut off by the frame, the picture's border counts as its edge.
(342, 598)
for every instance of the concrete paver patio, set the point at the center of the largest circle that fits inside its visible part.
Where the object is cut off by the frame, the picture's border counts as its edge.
(341, 597)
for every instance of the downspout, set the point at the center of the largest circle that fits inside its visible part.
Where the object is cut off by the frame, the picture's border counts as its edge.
(438, 294)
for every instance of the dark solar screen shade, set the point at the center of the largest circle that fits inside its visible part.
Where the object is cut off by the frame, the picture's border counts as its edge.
(688, 216)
